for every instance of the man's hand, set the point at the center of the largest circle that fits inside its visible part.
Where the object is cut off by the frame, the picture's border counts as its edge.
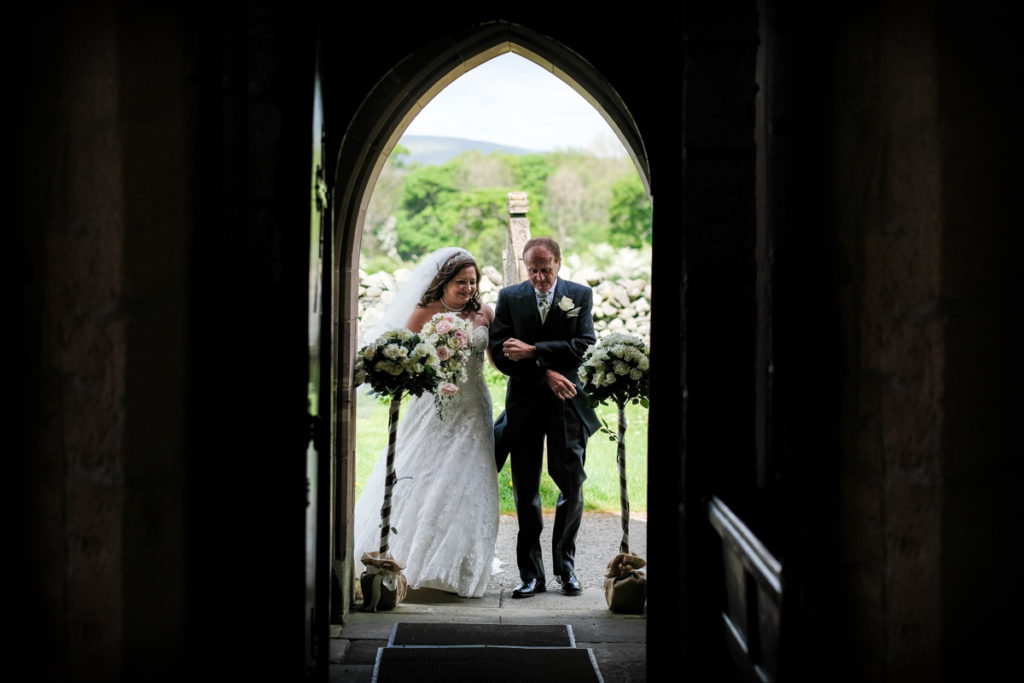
(517, 350)
(559, 385)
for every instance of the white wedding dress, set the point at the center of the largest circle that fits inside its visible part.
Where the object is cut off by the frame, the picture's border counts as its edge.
(444, 503)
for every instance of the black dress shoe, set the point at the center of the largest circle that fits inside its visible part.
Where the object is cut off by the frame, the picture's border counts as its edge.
(570, 584)
(529, 588)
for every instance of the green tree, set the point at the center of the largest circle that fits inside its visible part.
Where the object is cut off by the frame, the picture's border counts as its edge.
(434, 213)
(480, 217)
(629, 213)
(530, 174)
(579, 198)
(427, 186)
(395, 158)
(379, 238)
(422, 220)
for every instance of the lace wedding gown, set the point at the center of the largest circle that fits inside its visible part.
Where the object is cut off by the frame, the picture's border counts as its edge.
(444, 503)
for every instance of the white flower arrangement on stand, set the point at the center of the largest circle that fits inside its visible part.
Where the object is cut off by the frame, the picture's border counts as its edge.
(396, 363)
(618, 369)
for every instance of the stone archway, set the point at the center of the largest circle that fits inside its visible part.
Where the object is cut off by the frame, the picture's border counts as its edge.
(377, 125)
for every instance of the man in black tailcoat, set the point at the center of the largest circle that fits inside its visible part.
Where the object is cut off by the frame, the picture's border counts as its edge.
(541, 329)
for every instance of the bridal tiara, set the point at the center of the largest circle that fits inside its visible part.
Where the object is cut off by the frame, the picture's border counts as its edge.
(456, 259)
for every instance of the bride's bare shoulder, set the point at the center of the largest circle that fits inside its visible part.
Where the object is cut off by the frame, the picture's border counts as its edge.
(484, 317)
(421, 314)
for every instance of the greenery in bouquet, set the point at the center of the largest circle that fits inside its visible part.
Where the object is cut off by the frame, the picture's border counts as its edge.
(616, 368)
(398, 361)
(449, 334)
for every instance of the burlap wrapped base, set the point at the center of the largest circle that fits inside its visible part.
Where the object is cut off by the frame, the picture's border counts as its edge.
(383, 584)
(625, 587)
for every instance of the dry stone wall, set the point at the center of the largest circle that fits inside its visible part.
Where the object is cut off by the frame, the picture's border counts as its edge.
(620, 280)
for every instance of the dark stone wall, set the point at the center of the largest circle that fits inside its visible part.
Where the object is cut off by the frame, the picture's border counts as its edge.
(982, 145)
(161, 203)
(99, 195)
(718, 221)
(925, 159)
(249, 70)
(889, 217)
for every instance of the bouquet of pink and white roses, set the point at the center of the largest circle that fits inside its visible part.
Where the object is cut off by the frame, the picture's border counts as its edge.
(449, 335)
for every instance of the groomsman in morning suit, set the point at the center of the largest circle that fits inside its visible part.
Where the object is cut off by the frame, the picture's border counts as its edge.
(541, 329)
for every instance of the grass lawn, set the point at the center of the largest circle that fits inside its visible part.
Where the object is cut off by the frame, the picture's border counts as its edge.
(600, 491)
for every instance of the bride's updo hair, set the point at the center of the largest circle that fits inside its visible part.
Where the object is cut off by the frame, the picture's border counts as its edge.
(448, 270)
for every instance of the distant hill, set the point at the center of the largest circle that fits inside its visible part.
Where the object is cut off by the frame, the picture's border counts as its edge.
(431, 150)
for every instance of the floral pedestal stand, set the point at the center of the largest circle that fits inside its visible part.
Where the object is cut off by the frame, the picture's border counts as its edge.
(625, 586)
(617, 369)
(396, 363)
(383, 584)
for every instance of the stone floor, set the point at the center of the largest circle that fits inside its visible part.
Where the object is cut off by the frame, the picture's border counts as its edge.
(618, 641)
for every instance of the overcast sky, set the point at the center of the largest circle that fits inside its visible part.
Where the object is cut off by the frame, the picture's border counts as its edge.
(512, 101)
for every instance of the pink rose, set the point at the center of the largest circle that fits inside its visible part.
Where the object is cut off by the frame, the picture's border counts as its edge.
(449, 389)
(443, 326)
(461, 337)
(443, 353)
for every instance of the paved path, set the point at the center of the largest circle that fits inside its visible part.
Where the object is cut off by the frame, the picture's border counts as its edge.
(598, 542)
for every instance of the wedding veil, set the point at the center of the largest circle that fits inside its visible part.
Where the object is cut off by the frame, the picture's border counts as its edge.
(409, 294)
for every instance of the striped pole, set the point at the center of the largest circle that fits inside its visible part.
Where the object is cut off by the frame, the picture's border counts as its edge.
(389, 479)
(623, 494)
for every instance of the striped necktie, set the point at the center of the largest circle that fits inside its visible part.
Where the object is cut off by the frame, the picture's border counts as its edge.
(542, 305)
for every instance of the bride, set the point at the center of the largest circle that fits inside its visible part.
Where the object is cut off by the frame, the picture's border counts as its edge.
(444, 506)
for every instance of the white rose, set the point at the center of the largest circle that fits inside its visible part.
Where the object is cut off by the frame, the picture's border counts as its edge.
(565, 303)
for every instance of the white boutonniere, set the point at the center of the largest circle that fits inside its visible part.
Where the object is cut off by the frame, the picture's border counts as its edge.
(566, 304)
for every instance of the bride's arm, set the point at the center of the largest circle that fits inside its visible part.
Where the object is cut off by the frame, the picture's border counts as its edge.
(488, 313)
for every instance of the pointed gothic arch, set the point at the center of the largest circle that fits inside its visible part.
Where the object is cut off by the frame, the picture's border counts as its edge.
(362, 151)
